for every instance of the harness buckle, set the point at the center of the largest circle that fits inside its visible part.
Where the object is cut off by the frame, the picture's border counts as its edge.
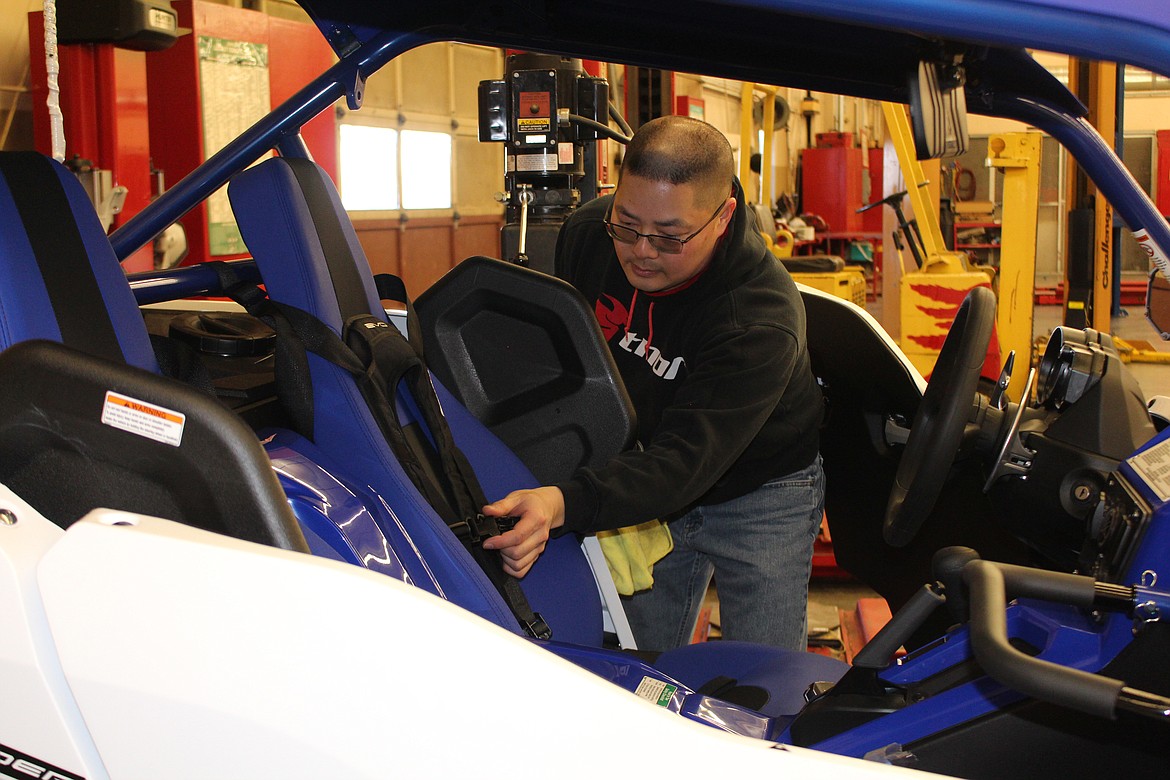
(475, 529)
(536, 627)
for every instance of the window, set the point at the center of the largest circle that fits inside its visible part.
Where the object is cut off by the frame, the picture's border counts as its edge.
(1137, 81)
(368, 167)
(426, 170)
(385, 169)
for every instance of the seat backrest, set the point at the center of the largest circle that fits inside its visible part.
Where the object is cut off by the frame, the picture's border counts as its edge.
(60, 279)
(293, 223)
(524, 353)
(851, 350)
(79, 432)
(85, 418)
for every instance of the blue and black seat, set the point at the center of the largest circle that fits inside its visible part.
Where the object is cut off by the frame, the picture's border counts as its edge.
(309, 257)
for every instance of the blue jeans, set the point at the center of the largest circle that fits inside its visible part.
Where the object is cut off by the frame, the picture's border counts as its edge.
(758, 546)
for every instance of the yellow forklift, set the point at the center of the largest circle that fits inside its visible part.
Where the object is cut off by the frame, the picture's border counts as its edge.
(931, 293)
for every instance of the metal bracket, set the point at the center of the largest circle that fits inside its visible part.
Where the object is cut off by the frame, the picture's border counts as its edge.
(355, 91)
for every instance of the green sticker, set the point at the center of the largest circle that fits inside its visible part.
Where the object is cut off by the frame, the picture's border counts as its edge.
(667, 692)
(656, 691)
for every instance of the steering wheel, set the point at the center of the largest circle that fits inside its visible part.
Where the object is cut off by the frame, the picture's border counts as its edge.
(937, 430)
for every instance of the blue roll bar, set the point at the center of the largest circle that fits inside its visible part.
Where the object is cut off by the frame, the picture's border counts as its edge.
(344, 79)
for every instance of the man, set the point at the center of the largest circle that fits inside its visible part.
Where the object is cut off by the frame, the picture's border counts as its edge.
(708, 332)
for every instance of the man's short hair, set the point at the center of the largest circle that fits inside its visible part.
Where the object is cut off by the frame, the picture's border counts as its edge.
(682, 150)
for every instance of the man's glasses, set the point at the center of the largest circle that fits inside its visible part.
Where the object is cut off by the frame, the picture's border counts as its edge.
(667, 244)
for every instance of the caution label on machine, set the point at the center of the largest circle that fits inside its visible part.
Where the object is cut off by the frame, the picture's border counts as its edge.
(534, 114)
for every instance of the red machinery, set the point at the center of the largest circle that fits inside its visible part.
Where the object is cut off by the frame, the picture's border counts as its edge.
(140, 117)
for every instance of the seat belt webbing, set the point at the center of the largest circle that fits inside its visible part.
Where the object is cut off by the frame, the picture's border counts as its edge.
(382, 359)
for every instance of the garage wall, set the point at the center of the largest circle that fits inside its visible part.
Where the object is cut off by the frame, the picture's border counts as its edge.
(15, 103)
(435, 88)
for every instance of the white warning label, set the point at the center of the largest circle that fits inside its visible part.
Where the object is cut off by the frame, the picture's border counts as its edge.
(143, 419)
(1153, 466)
(540, 161)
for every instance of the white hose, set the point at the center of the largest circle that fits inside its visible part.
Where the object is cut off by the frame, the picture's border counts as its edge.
(53, 69)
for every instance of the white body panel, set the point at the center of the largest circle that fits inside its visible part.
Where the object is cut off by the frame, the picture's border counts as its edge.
(192, 655)
(37, 714)
(876, 327)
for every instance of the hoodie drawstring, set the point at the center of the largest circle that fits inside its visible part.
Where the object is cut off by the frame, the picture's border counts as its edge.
(649, 320)
(649, 326)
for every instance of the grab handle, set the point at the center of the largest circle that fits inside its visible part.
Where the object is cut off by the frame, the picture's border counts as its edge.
(989, 584)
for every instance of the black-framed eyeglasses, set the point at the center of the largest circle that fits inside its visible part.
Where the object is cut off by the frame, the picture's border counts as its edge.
(667, 244)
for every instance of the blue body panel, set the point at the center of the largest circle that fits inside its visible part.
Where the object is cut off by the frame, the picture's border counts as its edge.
(1135, 31)
(1061, 634)
(350, 523)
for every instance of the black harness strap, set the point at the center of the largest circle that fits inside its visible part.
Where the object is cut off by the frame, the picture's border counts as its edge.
(379, 358)
(181, 361)
(392, 288)
(390, 358)
(291, 363)
(61, 255)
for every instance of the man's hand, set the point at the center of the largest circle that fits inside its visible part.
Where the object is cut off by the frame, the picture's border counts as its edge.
(540, 510)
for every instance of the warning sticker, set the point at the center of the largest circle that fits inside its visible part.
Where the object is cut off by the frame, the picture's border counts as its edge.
(534, 112)
(143, 419)
(1153, 466)
(533, 125)
(656, 691)
(536, 162)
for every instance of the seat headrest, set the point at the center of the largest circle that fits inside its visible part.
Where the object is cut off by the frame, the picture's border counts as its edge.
(293, 223)
(59, 276)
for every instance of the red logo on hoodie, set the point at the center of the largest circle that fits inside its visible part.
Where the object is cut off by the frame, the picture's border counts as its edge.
(612, 318)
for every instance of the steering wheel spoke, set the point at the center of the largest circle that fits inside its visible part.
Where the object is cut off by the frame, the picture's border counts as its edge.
(1013, 457)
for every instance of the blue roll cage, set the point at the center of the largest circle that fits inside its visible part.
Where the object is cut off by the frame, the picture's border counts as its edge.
(864, 48)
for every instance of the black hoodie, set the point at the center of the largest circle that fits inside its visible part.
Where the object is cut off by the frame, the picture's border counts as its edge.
(717, 368)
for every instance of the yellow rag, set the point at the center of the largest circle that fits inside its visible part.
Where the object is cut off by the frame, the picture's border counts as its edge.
(631, 552)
